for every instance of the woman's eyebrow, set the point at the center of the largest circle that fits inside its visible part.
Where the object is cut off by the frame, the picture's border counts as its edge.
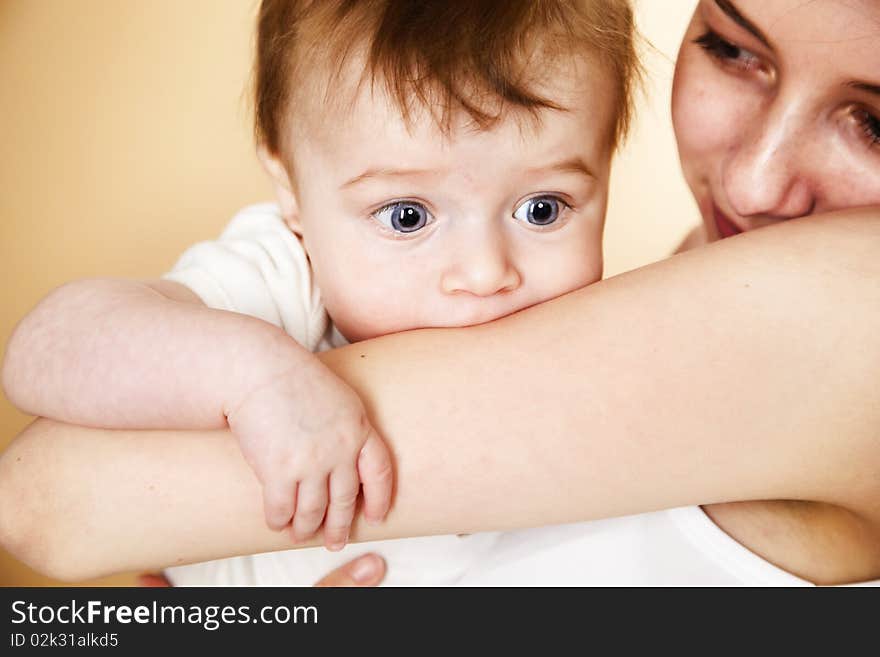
(864, 86)
(737, 17)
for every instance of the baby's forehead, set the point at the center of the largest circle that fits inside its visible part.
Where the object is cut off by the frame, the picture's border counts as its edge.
(352, 111)
(372, 152)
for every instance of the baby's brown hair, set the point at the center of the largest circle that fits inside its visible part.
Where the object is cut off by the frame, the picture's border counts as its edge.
(444, 55)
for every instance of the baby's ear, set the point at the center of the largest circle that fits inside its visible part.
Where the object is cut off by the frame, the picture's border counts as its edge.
(283, 187)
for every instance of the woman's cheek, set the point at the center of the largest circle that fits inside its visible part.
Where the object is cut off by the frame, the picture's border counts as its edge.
(710, 115)
(698, 113)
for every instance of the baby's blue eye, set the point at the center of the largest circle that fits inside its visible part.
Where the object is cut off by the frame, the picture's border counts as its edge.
(404, 216)
(539, 211)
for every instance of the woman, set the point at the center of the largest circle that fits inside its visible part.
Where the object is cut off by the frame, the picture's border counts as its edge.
(731, 373)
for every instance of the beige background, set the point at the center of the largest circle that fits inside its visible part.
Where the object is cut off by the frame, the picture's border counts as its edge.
(125, 133)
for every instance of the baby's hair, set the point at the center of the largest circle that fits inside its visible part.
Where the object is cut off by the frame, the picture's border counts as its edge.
(442, 55)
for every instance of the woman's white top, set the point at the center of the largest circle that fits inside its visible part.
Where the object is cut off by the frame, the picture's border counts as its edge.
(676, 547)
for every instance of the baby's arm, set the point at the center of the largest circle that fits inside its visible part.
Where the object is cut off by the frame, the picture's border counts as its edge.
(147, 355)
(135, 355)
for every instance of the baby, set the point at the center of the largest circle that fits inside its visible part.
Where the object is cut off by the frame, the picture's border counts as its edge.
(436, 164)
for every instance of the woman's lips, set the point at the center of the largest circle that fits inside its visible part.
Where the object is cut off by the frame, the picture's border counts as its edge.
(725, 226)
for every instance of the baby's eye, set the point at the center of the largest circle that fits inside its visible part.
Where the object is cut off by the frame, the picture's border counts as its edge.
(403, 216)
(540, 210)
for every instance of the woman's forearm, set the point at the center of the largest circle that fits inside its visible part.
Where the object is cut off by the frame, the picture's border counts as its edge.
(749, 369)
(744, 370)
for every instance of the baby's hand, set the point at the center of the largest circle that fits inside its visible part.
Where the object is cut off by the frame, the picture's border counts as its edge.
(305, 432)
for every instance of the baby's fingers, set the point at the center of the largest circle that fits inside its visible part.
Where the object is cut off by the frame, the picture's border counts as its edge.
(279, 502)
(344, 487)
(311, 503)
(374, 468)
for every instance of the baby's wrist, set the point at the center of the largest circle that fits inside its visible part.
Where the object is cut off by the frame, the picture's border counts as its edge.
(267, 353)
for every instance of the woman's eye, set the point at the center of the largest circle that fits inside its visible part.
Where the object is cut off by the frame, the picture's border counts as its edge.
(540, 210)
(403, 216)
(870, 126)
(727, 52)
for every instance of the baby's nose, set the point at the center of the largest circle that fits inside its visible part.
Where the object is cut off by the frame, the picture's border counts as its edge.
(482, 267)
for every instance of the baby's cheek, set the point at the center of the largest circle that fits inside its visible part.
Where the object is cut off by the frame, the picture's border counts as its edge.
(570, 271)
(588, 271)
(355, 322)
(362, 312)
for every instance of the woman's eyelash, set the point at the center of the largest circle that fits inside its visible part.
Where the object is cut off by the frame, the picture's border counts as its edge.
(870, 125)
(729, 53)
(712, 43)
(726, 52)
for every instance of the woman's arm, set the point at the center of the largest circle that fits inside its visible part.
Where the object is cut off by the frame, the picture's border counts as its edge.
(748, 369)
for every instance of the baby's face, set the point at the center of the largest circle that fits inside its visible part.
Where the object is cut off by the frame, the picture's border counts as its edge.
(408, 229)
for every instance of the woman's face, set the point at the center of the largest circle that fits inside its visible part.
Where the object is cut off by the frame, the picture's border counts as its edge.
(776, 108)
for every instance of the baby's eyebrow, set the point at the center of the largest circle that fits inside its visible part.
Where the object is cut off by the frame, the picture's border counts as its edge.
(571, 165)
(385, 172)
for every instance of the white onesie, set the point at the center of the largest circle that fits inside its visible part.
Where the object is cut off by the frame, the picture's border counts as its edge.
(258, 267)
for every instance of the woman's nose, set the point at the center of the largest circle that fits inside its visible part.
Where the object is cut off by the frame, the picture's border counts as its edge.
(482, 266)
(766, 173)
